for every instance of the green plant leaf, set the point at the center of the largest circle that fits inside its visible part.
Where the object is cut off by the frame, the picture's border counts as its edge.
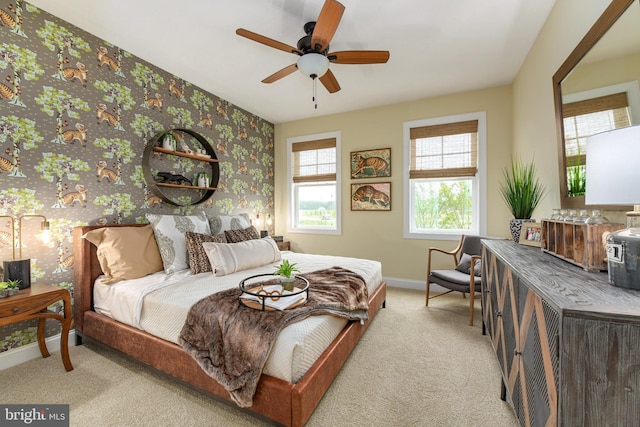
(285, 269)
(521, 189)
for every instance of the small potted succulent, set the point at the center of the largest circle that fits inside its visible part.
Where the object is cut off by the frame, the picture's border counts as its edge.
(9, 288)
(286, 270)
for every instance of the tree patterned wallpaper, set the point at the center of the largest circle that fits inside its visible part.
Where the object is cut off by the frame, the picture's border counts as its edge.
(75, 115)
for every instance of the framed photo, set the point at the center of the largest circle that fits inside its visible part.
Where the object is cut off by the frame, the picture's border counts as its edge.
(371, 163)
(530, 234)
(371, 197)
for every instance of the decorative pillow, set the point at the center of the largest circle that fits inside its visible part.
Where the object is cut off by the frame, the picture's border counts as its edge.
(221, 223)
(477, 268)
(169, 231)
(464, 266)
(235, 236)
(198, 260)
(227, 258)
(125, 252)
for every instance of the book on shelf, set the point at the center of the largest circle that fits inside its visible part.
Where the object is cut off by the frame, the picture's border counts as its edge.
(279, 302)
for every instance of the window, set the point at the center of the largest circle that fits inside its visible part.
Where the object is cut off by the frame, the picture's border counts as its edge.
(313, 175)
(444, 176)
(582, 119)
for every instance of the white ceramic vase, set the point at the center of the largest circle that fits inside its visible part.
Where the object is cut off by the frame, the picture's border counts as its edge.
(169, 143)
(203, 180)
(287, 283)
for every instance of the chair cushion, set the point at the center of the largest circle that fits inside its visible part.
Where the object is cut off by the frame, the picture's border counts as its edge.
(453, 279)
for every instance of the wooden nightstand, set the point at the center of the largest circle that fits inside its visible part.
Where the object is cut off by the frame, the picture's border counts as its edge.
(32, 303)
(284, 246)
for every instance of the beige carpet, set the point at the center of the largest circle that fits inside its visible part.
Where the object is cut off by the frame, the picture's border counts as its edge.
(415, 366)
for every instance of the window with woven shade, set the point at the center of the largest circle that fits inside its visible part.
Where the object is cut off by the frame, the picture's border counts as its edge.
(443, 176)
(313, 170)
(582, 119)
(444, 151)
(314, 161)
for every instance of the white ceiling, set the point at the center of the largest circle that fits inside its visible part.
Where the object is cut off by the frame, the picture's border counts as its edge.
(437, 46)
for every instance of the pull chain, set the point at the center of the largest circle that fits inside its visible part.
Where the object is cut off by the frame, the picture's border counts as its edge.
(314, 98)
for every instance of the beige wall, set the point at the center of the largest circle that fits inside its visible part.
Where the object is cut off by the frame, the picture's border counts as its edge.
(379, 235)
(603, 73)
(534, 132)
(520, 120)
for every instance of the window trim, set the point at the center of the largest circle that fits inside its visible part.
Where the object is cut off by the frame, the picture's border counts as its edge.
(632, 89)
(290, 193)
(479, 199)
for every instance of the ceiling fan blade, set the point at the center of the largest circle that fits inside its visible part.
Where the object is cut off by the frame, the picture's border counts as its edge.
(359, 57)
(329, 81)
(267, 41)
(280, 74)
(326, 25)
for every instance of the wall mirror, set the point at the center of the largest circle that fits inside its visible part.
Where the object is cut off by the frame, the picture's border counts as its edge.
(596, 89)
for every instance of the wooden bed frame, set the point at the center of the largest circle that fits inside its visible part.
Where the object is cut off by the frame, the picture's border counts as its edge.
(280, 401)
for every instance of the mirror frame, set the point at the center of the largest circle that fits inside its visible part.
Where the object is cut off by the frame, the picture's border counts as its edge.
(611, 14)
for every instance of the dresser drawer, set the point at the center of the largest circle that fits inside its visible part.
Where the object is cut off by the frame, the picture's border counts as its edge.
(14, 306)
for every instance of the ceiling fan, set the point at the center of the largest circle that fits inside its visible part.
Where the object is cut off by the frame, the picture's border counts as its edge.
(313, 49)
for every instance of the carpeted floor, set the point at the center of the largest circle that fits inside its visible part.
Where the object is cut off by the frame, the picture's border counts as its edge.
(415, 366)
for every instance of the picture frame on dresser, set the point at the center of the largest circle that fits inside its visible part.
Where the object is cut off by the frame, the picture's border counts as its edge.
(531, 234)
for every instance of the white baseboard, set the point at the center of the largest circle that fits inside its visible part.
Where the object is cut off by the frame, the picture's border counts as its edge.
(418, 285)
(31, 351)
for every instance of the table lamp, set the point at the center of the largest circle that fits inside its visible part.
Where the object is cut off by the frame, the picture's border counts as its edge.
(613, 178)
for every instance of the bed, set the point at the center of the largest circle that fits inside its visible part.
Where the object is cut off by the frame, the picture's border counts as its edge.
(285, 400)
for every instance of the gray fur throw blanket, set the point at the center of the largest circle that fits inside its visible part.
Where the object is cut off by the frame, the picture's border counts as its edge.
(231, 342)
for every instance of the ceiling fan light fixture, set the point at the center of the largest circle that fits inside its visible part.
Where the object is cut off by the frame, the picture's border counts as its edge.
(313, 65)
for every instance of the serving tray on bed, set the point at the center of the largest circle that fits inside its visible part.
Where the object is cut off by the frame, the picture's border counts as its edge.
(261, 293)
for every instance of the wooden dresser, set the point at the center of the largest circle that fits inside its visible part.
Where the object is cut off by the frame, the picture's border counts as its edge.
(567, 342)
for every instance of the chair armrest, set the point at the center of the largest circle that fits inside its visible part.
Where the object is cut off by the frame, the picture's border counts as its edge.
(452, 253)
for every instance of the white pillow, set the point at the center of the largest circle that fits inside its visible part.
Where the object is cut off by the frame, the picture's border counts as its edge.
(227, 258)
(169, 231)
(220, 223)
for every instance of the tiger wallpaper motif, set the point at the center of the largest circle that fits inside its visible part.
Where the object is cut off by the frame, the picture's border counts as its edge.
(76, 113)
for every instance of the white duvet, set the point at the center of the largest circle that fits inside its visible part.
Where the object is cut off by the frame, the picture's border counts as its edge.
(159, 303)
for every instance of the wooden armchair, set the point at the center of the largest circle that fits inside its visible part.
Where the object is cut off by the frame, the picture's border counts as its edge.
(467, 282)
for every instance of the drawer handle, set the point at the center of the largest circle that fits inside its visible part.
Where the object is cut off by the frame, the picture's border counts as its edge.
(516, 352)
(16, 309)
(498, 313)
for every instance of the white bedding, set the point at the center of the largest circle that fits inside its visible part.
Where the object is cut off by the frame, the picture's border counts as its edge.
(159, 303)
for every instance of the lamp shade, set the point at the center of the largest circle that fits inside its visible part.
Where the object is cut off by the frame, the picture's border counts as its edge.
(613, 167)
(313, 65)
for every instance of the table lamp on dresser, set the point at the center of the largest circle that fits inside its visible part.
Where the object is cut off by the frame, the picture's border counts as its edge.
(613, 178)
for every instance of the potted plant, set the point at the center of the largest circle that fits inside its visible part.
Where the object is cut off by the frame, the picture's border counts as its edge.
(169, 141)
(576, 178)
(9, 287)
(522, 192)
(286, 270)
